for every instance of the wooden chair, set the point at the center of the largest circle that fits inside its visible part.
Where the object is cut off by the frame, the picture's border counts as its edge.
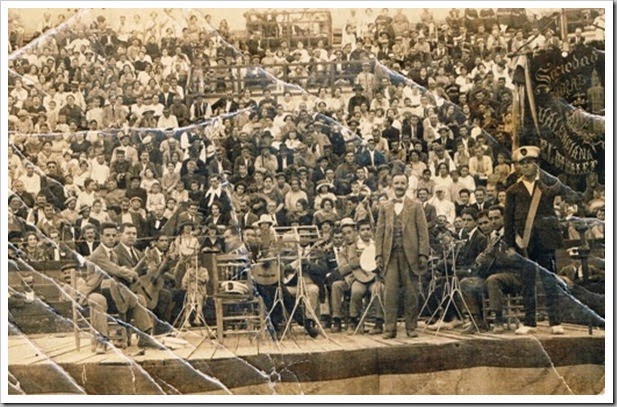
(238, 309)
(513, 311)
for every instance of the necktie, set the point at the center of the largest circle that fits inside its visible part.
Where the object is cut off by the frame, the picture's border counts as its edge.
(372, 158)
(112, 257)
(133, 255)
(480, 165)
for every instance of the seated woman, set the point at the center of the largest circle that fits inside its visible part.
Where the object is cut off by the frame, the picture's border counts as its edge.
(302, 213)
(33, 249)
(217, 217)
(213, 243)
(326, 213)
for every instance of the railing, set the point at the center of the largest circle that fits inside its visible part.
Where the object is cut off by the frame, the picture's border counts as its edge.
(309, 75)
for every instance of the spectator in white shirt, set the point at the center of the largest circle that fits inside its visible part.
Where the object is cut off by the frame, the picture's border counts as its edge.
(167, 120)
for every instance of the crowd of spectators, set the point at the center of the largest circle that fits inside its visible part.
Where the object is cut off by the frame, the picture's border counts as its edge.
(115, 121)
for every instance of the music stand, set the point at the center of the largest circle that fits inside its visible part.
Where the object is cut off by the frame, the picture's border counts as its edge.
(452, 287)
(301, 293)
(432, 285)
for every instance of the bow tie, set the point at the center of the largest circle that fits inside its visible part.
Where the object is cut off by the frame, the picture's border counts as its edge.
(396, 200)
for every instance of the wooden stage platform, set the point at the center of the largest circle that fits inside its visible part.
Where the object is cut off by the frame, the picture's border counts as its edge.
(444, 363)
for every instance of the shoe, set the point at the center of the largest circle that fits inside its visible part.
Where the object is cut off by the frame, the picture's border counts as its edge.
(412, 333)
(309, 326)
(524, 330)
(469, 329)
(455, 323)
(377, 329)
(101, 348)
(435, 326)
(353, 324)
(336, 326)
(326, 321)
(148, 342)
(389, 335)
(498, 329)
(557, 330)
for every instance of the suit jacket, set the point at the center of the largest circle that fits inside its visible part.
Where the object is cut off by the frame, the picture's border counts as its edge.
(415, 233)
(364, 158)
(485, 205)
(124, 257)
(183, 217)
(83, 249)
(81, 222)
(120, 293)
(240, 160)
(152, 229)
(431, 215)
(545, 233)
(166, 100)
(472, 249)
(222, 103)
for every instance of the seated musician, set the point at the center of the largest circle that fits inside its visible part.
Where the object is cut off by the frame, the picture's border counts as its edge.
(473, 244)
(117, 295)
(159, 263)
(314, 271)
(267, 290)
(496, 275)
(348, 261)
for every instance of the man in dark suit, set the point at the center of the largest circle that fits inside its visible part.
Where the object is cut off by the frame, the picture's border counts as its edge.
(463, 201)
(226, 104)
(476, 240)
(535, 236)
(166, 97)
(285, 158)
(445, 140)
(83, 220)
(219, 163)
(370, 157)
(414, 127)
(401, 251)
(89, 243)
(390, 132)
(156, 222)
(191, 215)
(480, 204)
(135, 190)
(245, 158)
(320, 172)
(429, 210)
(126, 253)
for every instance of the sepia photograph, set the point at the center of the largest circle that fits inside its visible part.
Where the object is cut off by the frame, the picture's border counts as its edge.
(398, 201)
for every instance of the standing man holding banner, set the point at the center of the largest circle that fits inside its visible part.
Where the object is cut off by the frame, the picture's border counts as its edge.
(401, 252)
(532, 230)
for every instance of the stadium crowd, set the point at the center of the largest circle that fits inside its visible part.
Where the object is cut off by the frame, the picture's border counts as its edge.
(187, 132)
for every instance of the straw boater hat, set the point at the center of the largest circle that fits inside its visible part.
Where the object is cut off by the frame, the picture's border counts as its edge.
(265, 219)
(324, 183)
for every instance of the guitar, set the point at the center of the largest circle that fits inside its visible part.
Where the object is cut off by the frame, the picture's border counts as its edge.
(151, 284)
